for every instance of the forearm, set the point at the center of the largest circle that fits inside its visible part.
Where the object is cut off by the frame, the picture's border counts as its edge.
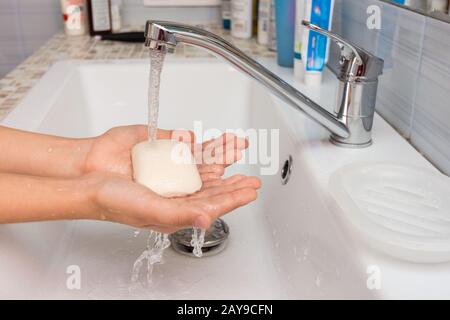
(28, 198)
(42, 155)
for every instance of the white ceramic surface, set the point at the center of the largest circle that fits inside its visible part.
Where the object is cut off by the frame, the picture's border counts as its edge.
(290, 243)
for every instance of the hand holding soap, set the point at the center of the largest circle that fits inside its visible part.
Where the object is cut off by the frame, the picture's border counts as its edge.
(166, 167)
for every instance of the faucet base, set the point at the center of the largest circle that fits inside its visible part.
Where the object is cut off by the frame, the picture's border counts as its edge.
(342, 144)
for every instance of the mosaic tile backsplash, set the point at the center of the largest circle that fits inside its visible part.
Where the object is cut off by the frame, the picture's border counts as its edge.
(414, 91)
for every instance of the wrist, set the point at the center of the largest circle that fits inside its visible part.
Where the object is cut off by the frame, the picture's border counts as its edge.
(84, 197)
(83, 148)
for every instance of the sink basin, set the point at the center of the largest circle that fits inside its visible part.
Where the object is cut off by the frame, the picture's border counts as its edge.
(289, 244)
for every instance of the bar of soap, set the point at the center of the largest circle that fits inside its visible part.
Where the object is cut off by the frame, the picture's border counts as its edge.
(166, 167)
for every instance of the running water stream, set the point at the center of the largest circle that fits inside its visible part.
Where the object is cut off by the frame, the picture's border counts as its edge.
(157, 242)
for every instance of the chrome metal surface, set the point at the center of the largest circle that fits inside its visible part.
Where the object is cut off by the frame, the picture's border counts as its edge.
(351, 123)
(216, 237)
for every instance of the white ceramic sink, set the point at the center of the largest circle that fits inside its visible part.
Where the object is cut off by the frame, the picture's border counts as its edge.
(290, 243)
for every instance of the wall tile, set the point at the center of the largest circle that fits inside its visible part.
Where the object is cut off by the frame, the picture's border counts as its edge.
(431, 118)
(25, 25)
(398, 43)
(414, 92)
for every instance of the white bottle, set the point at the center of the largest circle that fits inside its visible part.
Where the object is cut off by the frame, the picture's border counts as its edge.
(226, 14)
(263, 21)
(272, 28)
(242, 18)
(116, 19)
(75, 17)
(299, 69)
(437, 5)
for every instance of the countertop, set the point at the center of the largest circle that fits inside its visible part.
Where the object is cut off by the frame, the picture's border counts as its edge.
(15, 85)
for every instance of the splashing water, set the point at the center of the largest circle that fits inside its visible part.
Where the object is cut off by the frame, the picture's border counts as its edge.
(153, 254)
(157, 242)
(198, 239)
(155, 249)
(156, 64)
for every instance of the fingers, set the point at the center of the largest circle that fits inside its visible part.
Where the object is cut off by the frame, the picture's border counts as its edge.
(217, 201)
(210, 172)
(228, 139)
(176, 135)
(203, 208)
(219, 182)
(124, 201)
(163, 134)
(212, 168)
(224, 150)
(245, 182)
(208, 177)
(141, 132)
(220, 204)
(182, 136)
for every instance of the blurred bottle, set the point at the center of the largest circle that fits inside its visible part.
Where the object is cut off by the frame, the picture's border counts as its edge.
(285, 26)
(243, 18)
(272, 45)
(263, 22)
(437, 5)
(75, 17)
(99, 17)
(226, 14)
(116, 18)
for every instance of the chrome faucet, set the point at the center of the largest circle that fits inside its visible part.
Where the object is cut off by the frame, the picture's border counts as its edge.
(357, 71)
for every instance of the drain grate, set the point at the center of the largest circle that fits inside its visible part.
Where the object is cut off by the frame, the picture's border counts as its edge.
(215, 239)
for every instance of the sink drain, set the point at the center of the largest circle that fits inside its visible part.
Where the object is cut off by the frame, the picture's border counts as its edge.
(215, 239)
(286, 171)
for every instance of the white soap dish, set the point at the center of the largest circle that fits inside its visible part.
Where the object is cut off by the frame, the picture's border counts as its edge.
(401, 210)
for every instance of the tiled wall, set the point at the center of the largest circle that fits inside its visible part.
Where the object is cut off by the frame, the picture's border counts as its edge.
(24, 26)
(414, 91)
(27, 24)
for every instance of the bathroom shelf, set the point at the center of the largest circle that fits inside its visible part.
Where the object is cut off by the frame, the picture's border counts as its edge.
(181, 3)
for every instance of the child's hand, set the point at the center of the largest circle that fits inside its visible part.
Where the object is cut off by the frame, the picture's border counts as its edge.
(111, 152)
(116, 198)
(45, 177)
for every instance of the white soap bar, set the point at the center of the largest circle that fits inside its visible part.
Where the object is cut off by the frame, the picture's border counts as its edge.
(166, 167)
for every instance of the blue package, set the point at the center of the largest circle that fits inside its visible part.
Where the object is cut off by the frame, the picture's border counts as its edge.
(317, 43)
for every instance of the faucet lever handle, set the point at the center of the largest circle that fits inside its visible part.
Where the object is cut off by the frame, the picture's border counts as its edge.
(358, 63)
(341, 42)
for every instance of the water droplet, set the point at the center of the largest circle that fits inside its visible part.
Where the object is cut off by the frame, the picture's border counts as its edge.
(318, 281)
(306, 252)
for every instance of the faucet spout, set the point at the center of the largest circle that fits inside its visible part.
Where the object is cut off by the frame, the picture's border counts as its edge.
(161, 35)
